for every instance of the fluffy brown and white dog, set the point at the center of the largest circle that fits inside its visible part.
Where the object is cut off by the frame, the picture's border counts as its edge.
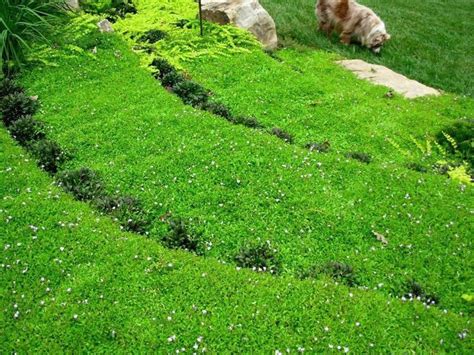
(352, 21)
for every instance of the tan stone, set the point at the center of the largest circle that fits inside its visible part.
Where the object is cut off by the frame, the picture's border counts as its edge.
(381, 75)
(246, 14)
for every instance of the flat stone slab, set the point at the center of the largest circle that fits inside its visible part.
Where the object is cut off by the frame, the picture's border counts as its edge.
(381, 75)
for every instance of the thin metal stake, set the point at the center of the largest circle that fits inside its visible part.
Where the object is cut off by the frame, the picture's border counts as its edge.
(200, 18)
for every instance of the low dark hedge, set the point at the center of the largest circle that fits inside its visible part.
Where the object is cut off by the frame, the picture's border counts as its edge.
(180, 237)
(126, 210)
(26, 130)
(17, 105)
(218, 109)
(163, 67)
(250, 122)
(49, 155)
(172, 79)
(259, 257)
(84, 184)
(362, 157)
(319, 147)
(191, 93)
(340, 272)
(9, 87)
(278, 132)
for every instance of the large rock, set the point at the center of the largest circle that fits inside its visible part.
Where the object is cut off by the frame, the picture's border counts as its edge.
(246, 14)
(381, 75)
(105, 26)
(73, 4)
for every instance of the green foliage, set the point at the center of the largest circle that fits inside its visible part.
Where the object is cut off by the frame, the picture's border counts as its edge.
(17, 105)
(21, 23)
(152, 36)
(126, 210)
(261, 256)
(191, 93)
(218, 109)
(84, 184)
(362, 157)
(163, 67)
(26, 130)
(180, 237)
(250, 122)
(319, 147)
(9, 87)
(172, 79)
(49, 155)
(183, 41)
(283, 135)
(458, 140)
(340, 272)
(415, 291)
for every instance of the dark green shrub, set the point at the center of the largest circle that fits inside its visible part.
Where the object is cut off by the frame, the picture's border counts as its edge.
(415, 291)
(338, 271)
(9, 87)
(182, 23)
(191, 93)
(172, 78)
(163, 67)
(462, 132)
(128, 211)
(26, 130)
(120, 8)
(278, 132)
(319, 147)
(48, 154)
(362, 157)
(250, 122)
(259, 257)
(152, 36)
(84, 184)
(341, 272)
(17, 105)
(417, 167)
(179, 237)
(218, 109)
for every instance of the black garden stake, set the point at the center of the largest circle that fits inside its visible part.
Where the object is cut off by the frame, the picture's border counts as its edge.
(200, 18)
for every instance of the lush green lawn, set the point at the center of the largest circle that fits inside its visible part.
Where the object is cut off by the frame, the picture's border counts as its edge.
(431, 39)
(71, 281)
(237, 185)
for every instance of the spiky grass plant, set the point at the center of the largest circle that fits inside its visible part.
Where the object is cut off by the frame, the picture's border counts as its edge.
(23, 22)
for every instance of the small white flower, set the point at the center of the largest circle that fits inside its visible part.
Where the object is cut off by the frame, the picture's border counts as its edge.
(171, 338)
(75, 317)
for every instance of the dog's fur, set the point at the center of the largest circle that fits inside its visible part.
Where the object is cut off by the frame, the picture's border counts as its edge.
(352, 21)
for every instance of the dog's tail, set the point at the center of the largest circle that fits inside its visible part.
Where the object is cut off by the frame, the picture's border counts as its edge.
(342, 8)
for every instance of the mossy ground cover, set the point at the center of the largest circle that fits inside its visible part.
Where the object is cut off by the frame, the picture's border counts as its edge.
(233, 185)
(72, 281)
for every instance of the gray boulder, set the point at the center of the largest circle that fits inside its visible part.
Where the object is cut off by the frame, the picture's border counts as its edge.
(73, 4)
(105, 26)
(246, 14)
